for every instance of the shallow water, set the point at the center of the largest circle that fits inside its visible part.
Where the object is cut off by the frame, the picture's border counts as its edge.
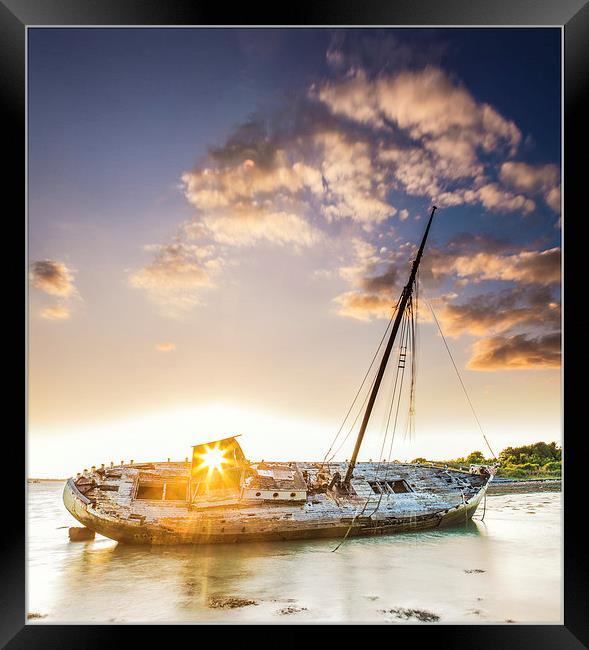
(505, 568)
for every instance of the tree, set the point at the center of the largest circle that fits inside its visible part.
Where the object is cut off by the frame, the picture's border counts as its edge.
(539, 453)
(476, 458)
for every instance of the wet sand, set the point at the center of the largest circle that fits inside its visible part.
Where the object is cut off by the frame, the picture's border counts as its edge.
(523, 487)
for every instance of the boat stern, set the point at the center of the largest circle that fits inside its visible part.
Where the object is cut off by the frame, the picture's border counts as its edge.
(77, 504)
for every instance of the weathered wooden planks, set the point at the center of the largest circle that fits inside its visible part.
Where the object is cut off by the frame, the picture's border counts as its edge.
(437, 497)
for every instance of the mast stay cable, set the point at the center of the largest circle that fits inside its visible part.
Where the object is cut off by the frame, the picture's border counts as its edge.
(325, 459)
(460, 378)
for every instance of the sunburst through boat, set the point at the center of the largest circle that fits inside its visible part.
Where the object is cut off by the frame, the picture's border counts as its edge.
(221, 497)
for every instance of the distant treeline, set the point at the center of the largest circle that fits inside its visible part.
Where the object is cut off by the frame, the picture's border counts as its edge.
(540, 460)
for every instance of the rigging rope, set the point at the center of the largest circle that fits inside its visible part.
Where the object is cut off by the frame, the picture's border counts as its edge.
(343, 442)
(402, 345)
(397, 410)
(356, 396)
(404, 340)
(414, 344)
(407, 340)
(460, 379)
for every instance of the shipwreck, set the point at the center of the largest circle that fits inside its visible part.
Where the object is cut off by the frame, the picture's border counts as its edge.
(218, 496)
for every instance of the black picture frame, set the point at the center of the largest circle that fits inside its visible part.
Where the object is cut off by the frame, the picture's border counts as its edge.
(16, 15)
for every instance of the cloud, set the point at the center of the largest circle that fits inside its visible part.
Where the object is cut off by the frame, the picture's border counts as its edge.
(552, 197)
(526, 267)
(245, 227)
(355, 187)
(534, 179)
(53, 277)
(364, 306)
(434, 135)
(385, 281)
(176, 274)
(519, 326)
(468, 242)
(331, 163)
(493, 197)
(273, 187)
(277, 173)
(498, 312)
(530, 178)
(219, 188)
(165, 347)
(58, 312)
(364, 259)
(519, 352)
(426, 103)
(514, 324)
(374, 276)
(176, 266)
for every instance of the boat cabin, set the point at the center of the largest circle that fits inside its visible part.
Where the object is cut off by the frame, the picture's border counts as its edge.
(219, 474)
(217, 467)
(274, 482)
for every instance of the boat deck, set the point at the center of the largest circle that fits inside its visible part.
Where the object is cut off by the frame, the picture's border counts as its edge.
(107, 501)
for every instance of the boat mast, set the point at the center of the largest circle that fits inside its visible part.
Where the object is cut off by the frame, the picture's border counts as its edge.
(405, 295)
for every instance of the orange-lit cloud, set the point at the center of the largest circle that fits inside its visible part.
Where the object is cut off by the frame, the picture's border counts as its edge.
(374, 276)
(428, 170)
(165, 347)
(514, 325)
(518, 352)
(449, 130)
(53, 277)
(176, 274)
(58, 312)
(332, 159)
(355, 185)
(534, 179)
(426, 103)
(493, 197)
(498, 312)
(242, 201)
(364, 306)
(245, 226)
(527, 267)
(217, 188)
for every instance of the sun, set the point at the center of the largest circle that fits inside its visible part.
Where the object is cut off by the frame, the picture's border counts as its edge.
(214, 459)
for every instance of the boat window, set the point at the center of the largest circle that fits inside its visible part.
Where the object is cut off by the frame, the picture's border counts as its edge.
(398, 486)
(150, 491)
(176, 491)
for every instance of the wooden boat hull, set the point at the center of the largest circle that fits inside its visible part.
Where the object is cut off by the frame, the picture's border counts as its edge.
(115, 514)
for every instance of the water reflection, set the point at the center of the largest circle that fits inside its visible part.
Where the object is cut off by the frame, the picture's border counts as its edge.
(183, 580)
(482, 560)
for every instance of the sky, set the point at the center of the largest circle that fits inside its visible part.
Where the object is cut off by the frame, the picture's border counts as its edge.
(220, 222)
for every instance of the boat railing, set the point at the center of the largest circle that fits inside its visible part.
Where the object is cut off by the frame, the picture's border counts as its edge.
(74, 488)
